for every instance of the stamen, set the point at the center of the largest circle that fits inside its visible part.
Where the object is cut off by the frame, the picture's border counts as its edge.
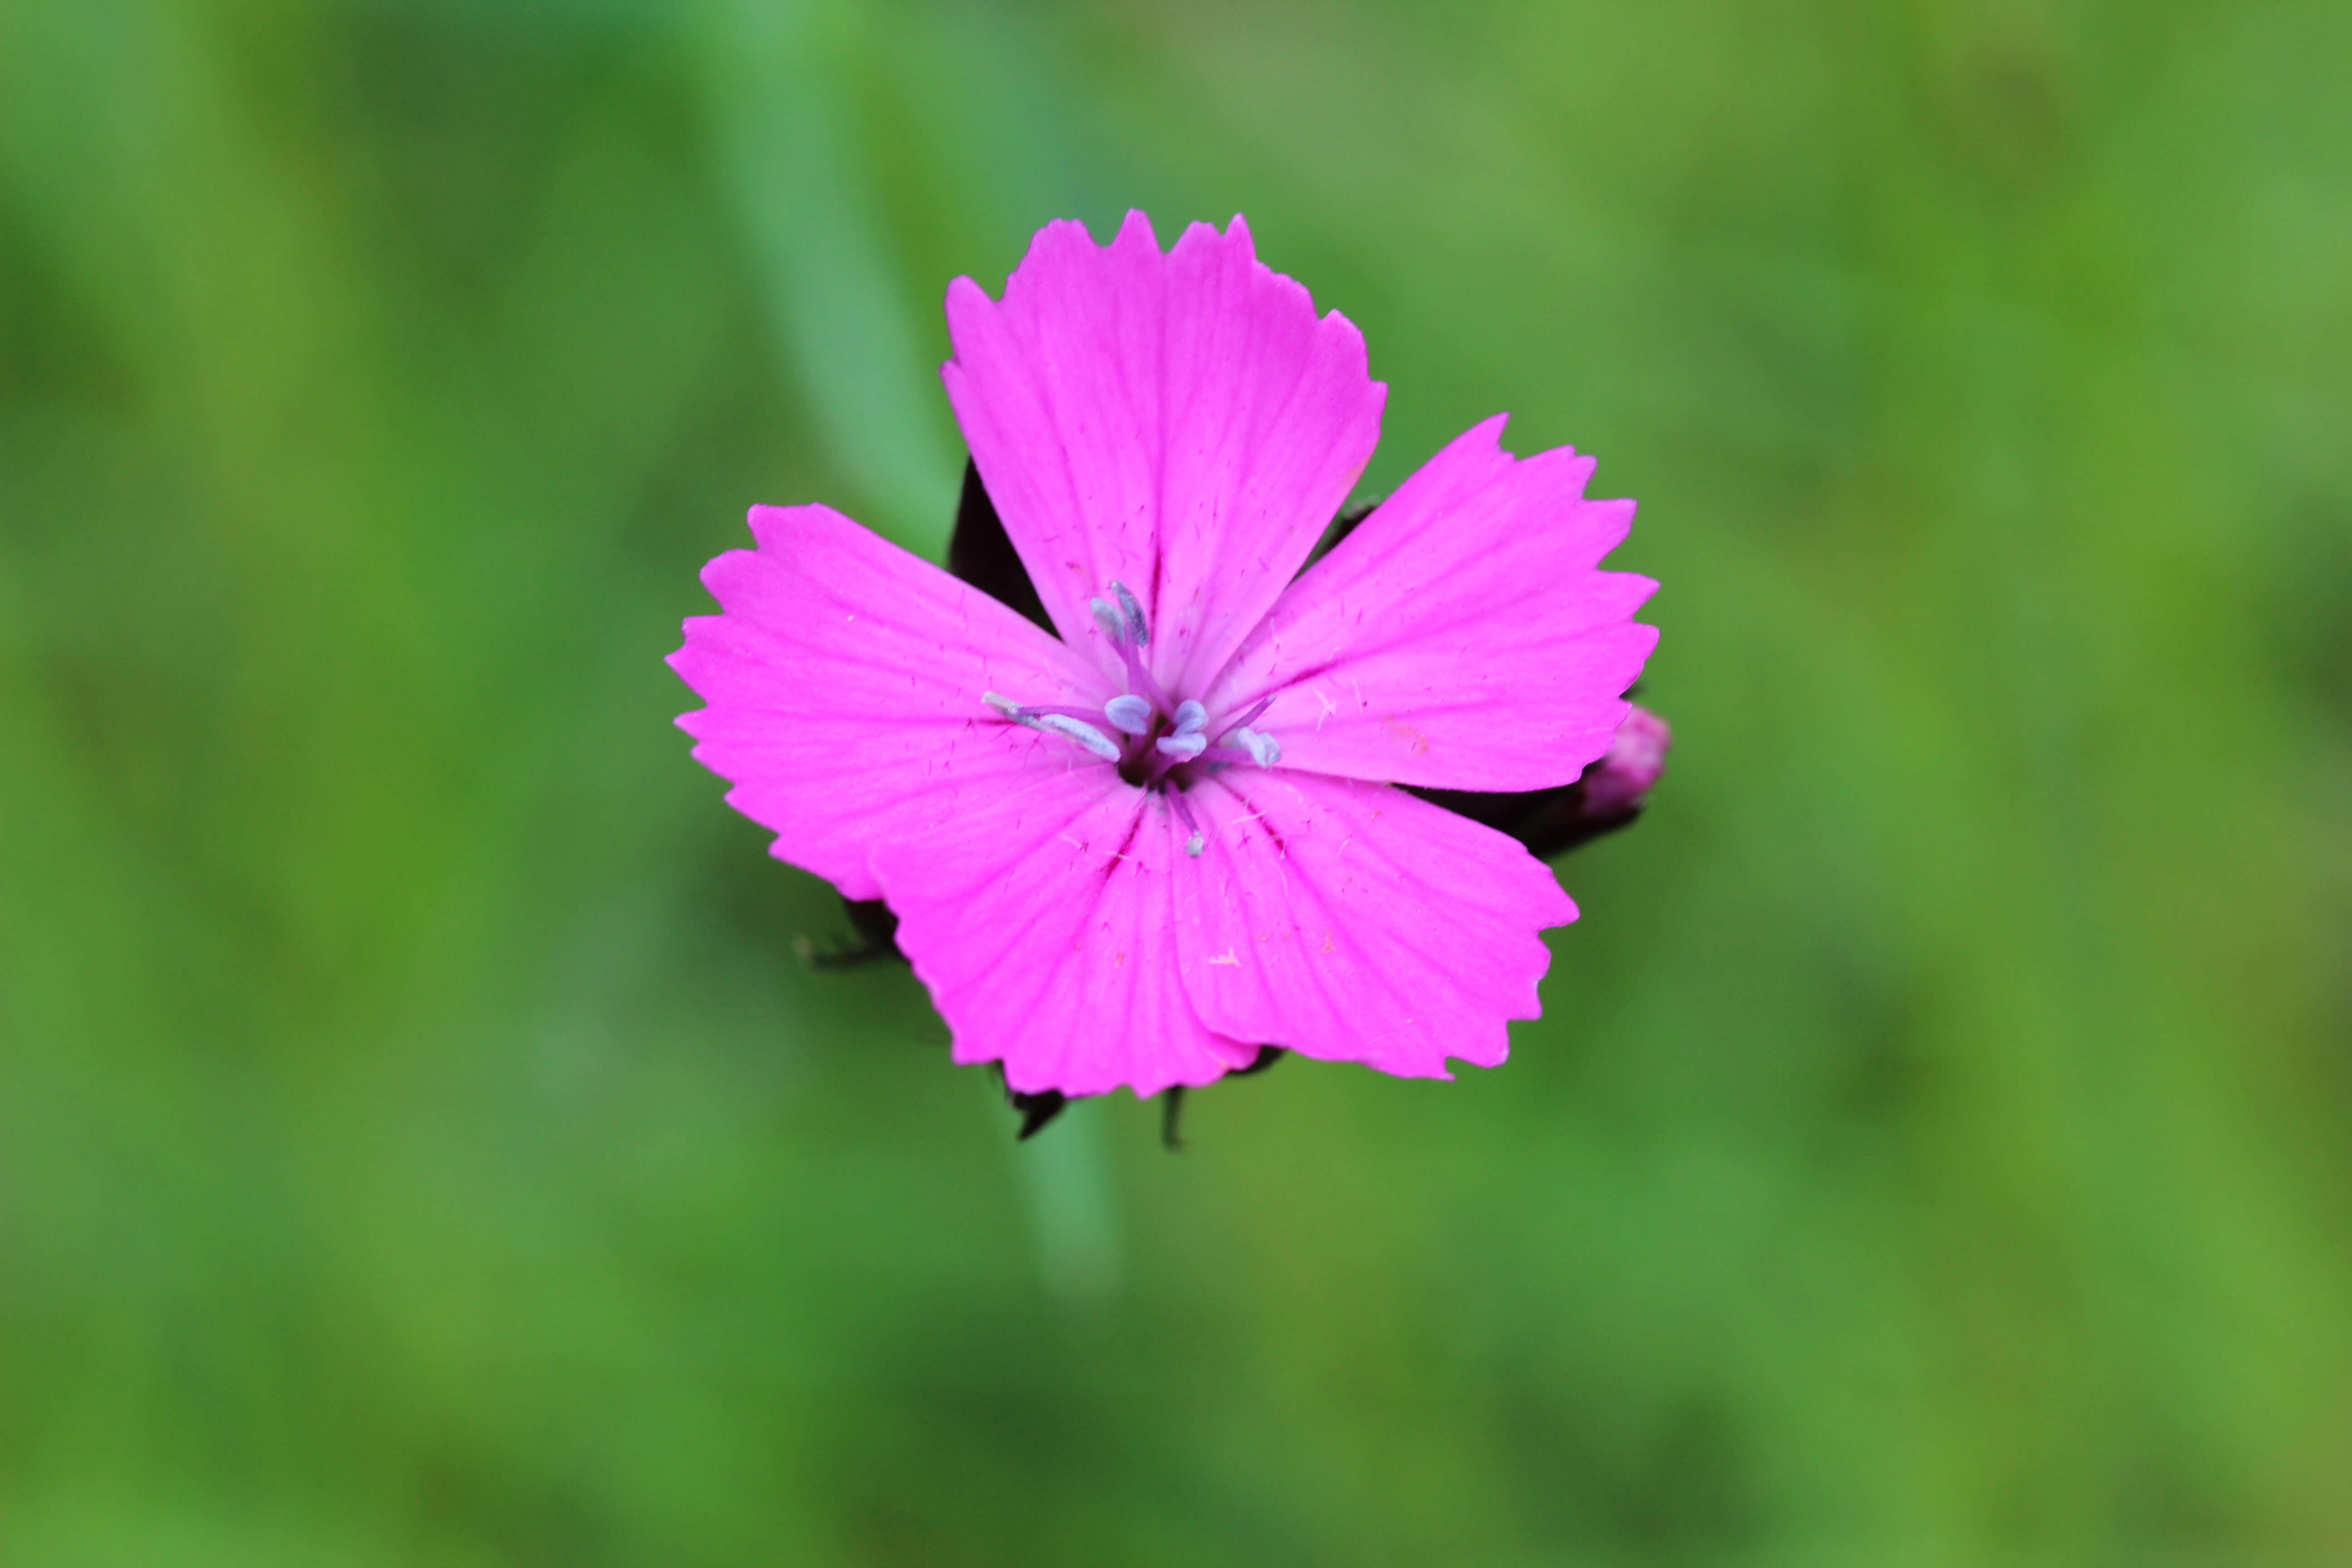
(1194, 844)
(1252, 716)
(1264, 750)
(1139, 678)
(1191, 717)
(1062, 721)
(1136, 625)
(1182, 748)
(1023, 712)
(1039, 710)
(1130, 713)
(1124, 625)
(1078, 730)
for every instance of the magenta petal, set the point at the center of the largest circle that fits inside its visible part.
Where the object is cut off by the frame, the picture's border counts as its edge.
(845, 681)
(1355, 923)
(1462, 636)
(1043, 924)
(1182, 423)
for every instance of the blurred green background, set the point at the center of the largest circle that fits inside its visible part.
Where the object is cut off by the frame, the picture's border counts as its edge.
(419, 1144)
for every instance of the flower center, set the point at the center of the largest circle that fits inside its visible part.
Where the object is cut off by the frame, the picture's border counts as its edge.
(1156, 743)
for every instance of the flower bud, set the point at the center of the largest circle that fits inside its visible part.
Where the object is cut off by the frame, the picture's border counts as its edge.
(1635, 760)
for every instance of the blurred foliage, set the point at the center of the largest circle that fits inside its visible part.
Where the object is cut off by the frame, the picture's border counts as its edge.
(418, 1143)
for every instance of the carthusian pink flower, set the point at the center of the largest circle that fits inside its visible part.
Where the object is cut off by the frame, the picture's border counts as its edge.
(1133, 853)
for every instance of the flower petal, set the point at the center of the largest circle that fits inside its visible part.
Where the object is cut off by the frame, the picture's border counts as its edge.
(1182, 423)
(1462, 636)
(1042, 924)
(1354, 922)
(844, 681)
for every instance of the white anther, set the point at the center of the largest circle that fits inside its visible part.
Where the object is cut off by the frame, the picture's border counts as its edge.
(1107, 617)
(1194, 844)
(1191, 717)
(1004, 705)
(1130, 713)
(1183, 748)
(1078, 730)
(1264, 750)
(1136, 625)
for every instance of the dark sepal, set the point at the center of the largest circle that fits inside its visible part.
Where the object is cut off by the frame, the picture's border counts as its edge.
(1172, 1098)
(877, 938)
(1341, 526)
(1548, 821)
(981, 552)
(1267, 1057)
(1036, 1110)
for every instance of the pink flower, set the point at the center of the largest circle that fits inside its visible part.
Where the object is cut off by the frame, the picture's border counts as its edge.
(1131, 855)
